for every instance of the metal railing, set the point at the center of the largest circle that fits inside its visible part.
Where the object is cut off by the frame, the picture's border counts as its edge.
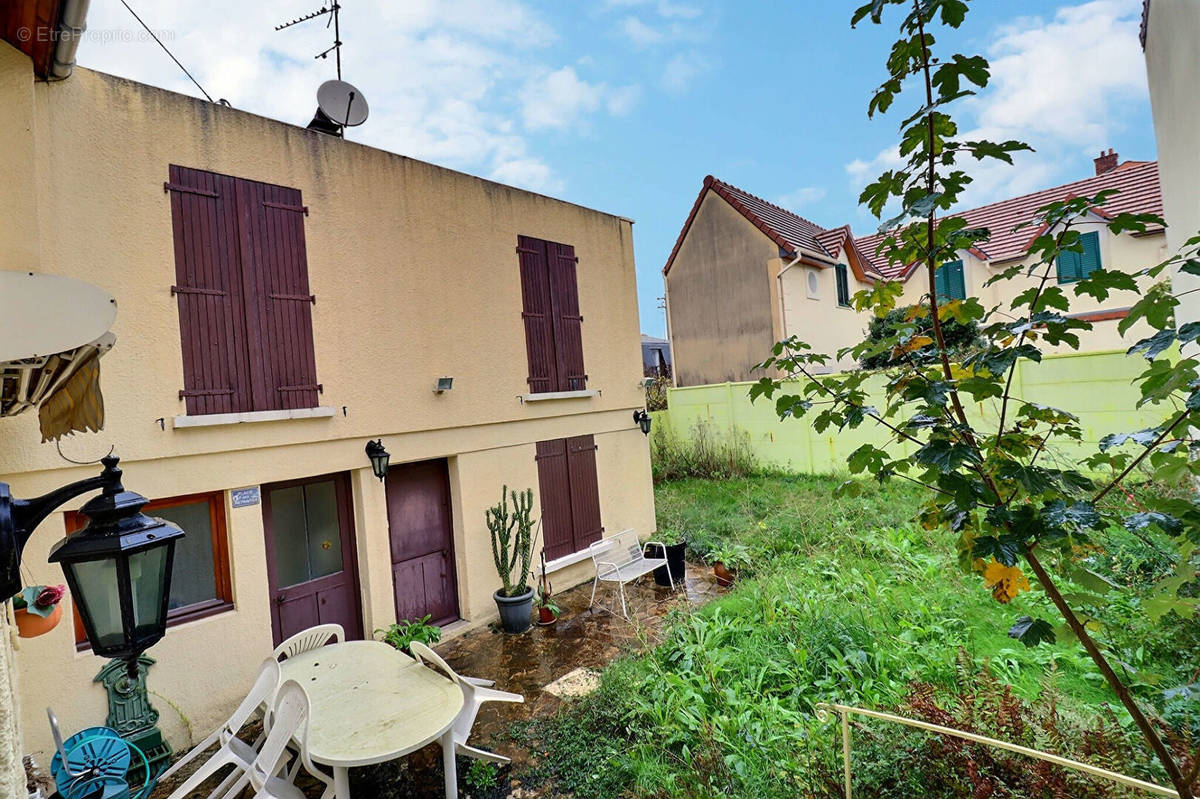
(824, 710)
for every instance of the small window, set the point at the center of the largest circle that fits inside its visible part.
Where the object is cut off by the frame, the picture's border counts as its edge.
(814, 285)
(949, 281)
(200, 582)
(843, 285)
(1073, 266)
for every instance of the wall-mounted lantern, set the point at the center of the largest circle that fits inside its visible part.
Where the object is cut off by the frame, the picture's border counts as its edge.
(118, 566)
(643, 420)
(379, 458)
(444, 384)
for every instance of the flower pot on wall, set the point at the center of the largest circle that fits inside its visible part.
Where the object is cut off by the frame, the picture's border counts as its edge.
(516, 612)
(31, 625)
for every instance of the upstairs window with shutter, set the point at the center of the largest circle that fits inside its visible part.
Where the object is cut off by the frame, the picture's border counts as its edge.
(1074, 266)
(550, 310)
(843, 285)
(949, 281)
(245, 311)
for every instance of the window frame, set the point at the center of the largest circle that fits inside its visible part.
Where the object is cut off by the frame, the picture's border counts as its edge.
(841, 279)
(222, 572)
(1078, 256)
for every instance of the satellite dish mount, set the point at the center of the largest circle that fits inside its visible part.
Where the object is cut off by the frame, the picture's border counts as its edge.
(339, 104)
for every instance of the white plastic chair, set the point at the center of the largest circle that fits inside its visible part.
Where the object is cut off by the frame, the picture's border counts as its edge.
(622, 559)
(288, 723)
(232, 751)
(310, 639)
(475, 693)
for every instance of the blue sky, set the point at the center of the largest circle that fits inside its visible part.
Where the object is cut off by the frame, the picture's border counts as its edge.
(625, 105)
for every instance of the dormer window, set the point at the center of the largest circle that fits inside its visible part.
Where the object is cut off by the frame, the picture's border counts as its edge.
(1073, 266)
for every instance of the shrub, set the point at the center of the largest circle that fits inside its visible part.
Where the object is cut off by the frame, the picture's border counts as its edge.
(404, 633)
(961, 338)
(707, 453)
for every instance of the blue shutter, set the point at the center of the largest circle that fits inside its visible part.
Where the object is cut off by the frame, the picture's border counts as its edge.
(1090, 260)
(949, 281)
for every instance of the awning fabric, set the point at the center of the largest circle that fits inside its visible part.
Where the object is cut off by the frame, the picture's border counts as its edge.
(65, 387)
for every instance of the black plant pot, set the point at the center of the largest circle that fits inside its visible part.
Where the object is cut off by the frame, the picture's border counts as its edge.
(674, 563)
(516, 612)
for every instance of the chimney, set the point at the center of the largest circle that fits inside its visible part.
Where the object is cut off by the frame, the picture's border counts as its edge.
(1107, 161)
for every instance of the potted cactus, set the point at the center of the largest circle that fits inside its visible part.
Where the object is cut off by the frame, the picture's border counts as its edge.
(512, 533)
(548, 609)
(38, 610)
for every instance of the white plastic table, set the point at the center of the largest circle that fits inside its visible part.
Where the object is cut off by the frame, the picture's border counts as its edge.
(370, 703)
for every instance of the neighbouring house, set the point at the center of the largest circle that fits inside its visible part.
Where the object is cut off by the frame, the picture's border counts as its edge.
(656, 356)
(745, 273)
(1169, 33)
(285, 297)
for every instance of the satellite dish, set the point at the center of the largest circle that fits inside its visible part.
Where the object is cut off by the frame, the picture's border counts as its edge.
(47, 314)
(342, 103)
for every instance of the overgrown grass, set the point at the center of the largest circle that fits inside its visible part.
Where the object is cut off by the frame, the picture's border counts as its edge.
(850, 602)
(705, 452)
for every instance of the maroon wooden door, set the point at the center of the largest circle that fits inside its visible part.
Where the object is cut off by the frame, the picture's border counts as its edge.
(422, 537)
(310, 555)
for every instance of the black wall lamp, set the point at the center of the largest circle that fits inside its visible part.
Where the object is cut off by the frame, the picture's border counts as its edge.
(379, 458)
(118, 566)
(643, 420)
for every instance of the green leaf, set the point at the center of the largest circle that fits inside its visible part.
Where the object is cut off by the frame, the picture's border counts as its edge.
(1155, 345)
(1032, 632)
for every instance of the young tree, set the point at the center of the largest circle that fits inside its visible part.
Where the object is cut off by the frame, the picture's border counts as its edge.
(1016, 518)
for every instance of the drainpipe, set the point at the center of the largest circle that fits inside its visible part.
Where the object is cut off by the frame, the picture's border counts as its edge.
(782, 304)
(70, 31)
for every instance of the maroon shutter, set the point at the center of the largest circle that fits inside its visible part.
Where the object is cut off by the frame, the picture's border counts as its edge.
(209, 292)
(568, 322)
(536, 310)
(278, 304)
(585, 492)
(554, 493)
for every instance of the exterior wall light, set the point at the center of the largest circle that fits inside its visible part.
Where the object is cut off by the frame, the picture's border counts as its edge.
(118, 566)
(379, 458)
(444, 384)
(643, 420)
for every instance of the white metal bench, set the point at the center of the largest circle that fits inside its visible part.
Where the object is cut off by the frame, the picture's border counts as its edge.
(622, 559)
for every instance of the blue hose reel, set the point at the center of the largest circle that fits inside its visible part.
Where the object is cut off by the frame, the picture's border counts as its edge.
(94, 764)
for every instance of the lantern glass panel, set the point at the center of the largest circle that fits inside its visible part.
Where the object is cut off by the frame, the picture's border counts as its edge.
(147, 576)
(97, 580)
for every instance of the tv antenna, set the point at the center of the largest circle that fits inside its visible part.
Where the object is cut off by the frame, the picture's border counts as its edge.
(339, 104)
(332, 10)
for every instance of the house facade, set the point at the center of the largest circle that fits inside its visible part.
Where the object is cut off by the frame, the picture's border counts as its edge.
(746, 273)
(286, 296)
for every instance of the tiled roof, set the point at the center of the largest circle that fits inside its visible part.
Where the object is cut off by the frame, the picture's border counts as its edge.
(1137, 182)
(789, 231)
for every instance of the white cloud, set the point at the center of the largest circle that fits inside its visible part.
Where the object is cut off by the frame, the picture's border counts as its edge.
(801, 197)
(445, 80)
(664, 8)
(681, 70)
(1060, 85)
(558, 99)
(641, 34)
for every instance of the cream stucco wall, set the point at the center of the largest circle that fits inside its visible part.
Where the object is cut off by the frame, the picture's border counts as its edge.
(721, 319)
(828, 327)
(1173, 69)
(416, 277)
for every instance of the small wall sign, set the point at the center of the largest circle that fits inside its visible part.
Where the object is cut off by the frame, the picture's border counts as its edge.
(245, 497)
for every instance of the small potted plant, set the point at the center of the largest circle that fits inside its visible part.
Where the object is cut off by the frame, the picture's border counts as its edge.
(403, 633)
(38, 609)
(512, 548)
(548, 609)
(726, 559)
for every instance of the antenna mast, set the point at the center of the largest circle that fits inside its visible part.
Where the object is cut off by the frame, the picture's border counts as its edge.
(336, 49)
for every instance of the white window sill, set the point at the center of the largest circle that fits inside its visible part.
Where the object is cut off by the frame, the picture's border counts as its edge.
(217, 419)
(567, 560)
(558, 395)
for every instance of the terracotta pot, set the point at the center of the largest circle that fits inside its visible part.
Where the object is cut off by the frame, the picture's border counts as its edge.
(724, 576)
(30, 625)
(546, 617)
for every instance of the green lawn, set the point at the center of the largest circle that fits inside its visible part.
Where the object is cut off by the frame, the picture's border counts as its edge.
(850, 601)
